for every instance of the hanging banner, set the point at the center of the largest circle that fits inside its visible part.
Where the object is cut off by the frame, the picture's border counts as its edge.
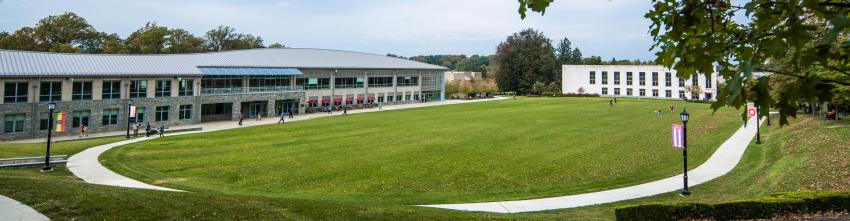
(678, 136)
(60, 121)
(751, 111)
(132, 113)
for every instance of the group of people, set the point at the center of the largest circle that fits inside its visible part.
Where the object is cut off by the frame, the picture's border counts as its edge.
(148, 130)
(660, 113)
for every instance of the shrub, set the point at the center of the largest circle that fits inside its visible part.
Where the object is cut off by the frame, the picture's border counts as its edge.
(765, 208)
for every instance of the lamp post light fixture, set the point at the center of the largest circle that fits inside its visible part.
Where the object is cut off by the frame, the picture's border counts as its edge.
(129, 110)
(685, 117)
(50, 106)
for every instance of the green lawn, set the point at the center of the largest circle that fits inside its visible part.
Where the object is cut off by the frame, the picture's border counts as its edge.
(14, 150)
(501, 150)
(808, 155)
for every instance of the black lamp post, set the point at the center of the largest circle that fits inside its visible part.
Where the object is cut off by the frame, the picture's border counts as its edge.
(129, 108)
(758, 126)
(50, 106)
(685, 116)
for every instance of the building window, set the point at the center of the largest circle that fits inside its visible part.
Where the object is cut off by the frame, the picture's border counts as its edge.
(654, 78)
(616, 91)
(399, 96)
(707, 82)
(681, 82)
(349, 82)
(187, 88)
(629, 92)
(311, 102)
(406, 96)
(185, 112)
(629, 78)
(708, 96)
(407, 81)
(313, 83)
(604, 90)
(380, 81)
(140, 115)
(139, 89)
(110, 117)
(390, 97)
(616, 78)
(163, 88)
(694, 96)
(50, 91)
(13, 123)
(642, 92)
(80, 118)
(15, 92)
(162, 113)
(668, 93)
(381, 98)
(82, 90)
(642, 76)
(604, 77)
(682, 94)
(655, 92)
(694, 80)
(111, 90)
(592, 77)
(668, 79)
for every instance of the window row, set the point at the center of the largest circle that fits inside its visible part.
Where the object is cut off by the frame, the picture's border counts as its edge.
(655, 93)
(14, 123)
(668, 79)
(51, 91)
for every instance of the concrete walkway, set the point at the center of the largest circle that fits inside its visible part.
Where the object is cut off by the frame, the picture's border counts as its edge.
(86, 166)
(721, 162)
(12, 210)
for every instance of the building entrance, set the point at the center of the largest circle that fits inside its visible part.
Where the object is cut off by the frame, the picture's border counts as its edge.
(216, 112)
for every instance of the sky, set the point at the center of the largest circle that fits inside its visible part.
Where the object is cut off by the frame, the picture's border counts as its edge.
(607, 28)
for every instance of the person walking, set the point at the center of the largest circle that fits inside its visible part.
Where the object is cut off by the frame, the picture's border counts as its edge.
(345, 110)
(259, 117)
(161, 130)
(136, 130)
(330, 110)
(240, 119)
(611, 103)
(615, 100)
(83, 130)
(672, 108)
(380, 106)
(148, 130)
(658, 113)
(290, 114)
(282, 116)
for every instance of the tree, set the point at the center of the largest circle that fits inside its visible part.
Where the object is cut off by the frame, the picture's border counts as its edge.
(115, 45)
(24, 39)
(564, 52)
(524, 58)
(277, 45)
(581, 90)
(538, 88)
(148, 40)
(181, 41)
(218, 37)
(552, 89)
(244, 41)
(694, 90)
(62, 31)
(803, 39)
(576, 56)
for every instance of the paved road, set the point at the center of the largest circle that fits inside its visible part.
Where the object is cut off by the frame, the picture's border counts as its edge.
(721, 162)
(11, 210)
(86, 166)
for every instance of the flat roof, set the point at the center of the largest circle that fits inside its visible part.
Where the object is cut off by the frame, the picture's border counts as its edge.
(47, 64)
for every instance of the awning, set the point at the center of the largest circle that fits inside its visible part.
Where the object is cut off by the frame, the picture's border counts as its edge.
(252, 71)
(311, 101)
(325, 101)
(371, 98)
(359, 98)
(350, 99)
(337, 100)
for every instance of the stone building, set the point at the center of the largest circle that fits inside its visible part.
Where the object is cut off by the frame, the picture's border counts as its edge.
(97, 90)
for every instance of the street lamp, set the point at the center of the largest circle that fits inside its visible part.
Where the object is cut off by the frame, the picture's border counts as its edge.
(685, 117)
(129, 110)
(50, 106)
(758, 126)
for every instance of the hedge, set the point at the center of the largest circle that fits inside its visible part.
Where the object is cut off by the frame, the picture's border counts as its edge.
(764, 208)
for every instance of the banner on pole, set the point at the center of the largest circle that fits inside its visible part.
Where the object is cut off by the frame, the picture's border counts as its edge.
(132, 112)
(678, 136)
(751, 111)
(60, 121)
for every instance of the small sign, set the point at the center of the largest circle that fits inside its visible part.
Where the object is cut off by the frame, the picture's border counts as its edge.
(678, 136)
(132, 112)
(60, 121)
(751, 111)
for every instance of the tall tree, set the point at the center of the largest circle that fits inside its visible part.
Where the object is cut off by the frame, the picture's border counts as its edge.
(148, 40)
(576, 56)
(67, 29)
(181, 41)
(277, 45)
(524, 58)
(564, 52)
(218, 37)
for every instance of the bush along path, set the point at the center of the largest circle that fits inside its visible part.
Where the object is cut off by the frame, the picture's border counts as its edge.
(721, 162)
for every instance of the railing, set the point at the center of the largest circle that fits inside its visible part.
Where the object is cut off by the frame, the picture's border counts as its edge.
(381, 85)
(242, 90)
(313, 87)
(270, 89)
(348, 86)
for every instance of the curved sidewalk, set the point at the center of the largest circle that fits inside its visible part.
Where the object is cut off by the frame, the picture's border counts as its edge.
(721, 162)
(11, 209)
(87, 167)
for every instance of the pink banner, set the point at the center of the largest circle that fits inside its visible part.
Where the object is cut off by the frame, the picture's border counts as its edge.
(132, 112)
(678, 136)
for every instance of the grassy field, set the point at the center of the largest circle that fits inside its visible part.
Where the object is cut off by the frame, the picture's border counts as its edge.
(13, 150)
(808, 155)
(499, 150)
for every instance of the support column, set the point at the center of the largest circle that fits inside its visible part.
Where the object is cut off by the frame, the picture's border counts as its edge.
(271, 109)
(236, 110)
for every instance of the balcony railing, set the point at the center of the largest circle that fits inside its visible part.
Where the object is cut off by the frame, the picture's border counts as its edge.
(242, 90)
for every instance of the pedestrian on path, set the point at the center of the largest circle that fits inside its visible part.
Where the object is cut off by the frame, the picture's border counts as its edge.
(136, 130)
(380, 106)
(330, 110)
(83, 131)
(290, 114)
(259, 117)
(282, 116)
(345, 110)
(148, 130)
(240, 119)
(611, 103)
(161, 130)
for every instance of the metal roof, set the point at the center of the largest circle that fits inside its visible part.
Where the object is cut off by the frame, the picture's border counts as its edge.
(36, 64)
(253, 71)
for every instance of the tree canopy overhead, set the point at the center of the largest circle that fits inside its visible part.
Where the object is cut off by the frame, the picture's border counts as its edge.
(69, 32)
(805, 41)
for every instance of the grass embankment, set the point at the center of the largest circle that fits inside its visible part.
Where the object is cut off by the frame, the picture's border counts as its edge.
(15, 150)
(500, 150)
(808, 155)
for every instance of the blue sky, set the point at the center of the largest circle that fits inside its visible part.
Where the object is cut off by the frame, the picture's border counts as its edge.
(599, 27)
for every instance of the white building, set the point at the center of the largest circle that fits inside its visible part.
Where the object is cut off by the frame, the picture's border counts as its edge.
(650, 81)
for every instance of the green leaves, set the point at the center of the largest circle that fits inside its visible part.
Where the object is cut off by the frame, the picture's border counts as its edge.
(535, 5)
